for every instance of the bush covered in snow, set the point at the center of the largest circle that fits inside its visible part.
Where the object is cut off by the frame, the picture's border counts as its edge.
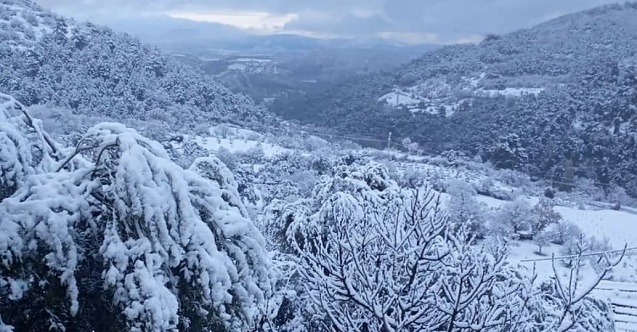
(464, 208)
(372, 256)
(564, 232)
(117, 235)
(227, 157)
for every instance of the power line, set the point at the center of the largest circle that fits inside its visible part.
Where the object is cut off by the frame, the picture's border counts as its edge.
(354, 138)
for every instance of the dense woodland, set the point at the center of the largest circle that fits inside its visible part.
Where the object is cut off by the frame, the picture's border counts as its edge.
(585, 116)
(91, 70)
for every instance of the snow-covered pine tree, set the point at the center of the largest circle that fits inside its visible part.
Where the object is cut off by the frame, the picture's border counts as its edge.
(116, 236)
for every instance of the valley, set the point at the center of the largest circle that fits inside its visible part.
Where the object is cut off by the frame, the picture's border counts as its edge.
(282, 69)
(282, 182)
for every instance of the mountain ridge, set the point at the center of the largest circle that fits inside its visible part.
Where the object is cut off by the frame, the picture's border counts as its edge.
(539, 98)
(176, 34)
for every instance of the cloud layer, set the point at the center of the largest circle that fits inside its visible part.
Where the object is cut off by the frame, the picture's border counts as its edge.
(439, 21)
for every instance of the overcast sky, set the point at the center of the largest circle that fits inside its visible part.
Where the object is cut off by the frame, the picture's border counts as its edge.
(427, 21)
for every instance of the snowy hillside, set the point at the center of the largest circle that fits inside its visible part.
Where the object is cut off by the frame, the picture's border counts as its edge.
(439, 97)
(542, 100)
(23, 23)
(93, 71)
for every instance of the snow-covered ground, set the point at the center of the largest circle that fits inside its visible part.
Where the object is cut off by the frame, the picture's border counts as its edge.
(619, 227)
(436, 95)
(237, 145)
(400, 98)
(510, 92)
(594, 219)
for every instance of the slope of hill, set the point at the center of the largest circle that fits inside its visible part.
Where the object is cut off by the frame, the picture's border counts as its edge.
(47, 59)
(544, 99)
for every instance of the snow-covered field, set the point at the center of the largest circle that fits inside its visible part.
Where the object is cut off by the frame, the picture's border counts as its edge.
(399, 98)
(619, 227)
(238, 145)
(435, 95)
(510, 92)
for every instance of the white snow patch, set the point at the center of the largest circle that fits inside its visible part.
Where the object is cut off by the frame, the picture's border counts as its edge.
(237, 67)
(509, 92)
(252, 60)
(399, 98)
(619, 227)
(449, 109)
(238, 145)
(474, 80)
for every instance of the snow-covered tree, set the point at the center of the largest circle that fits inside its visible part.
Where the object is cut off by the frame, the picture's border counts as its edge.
(222, 130)
(227, 157)
(367, 255)
(508, 152)
(116, 235)
(542, 239)
(363, 268)
(564, 232)
(400, 269)
(515, 216)
(24, 146)
(567, 300)
(464, 208)
(412, 147)
(545, 215)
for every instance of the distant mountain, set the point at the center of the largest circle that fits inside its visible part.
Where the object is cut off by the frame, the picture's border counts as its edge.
(557, 100)
(186, 36)
(89, 69)
(274, 43)
(268, 72)
(290, 42)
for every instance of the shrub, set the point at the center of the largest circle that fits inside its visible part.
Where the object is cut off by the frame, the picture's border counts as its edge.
(227, 158)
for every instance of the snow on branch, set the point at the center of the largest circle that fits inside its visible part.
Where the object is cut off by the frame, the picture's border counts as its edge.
(375, 257)
(171, 248)
(174, 223)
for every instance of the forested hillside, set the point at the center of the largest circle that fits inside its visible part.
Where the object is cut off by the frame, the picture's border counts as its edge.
(557, 100)
(48, 59)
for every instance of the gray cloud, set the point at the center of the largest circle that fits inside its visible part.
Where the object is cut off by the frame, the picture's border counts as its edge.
(447, 20)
